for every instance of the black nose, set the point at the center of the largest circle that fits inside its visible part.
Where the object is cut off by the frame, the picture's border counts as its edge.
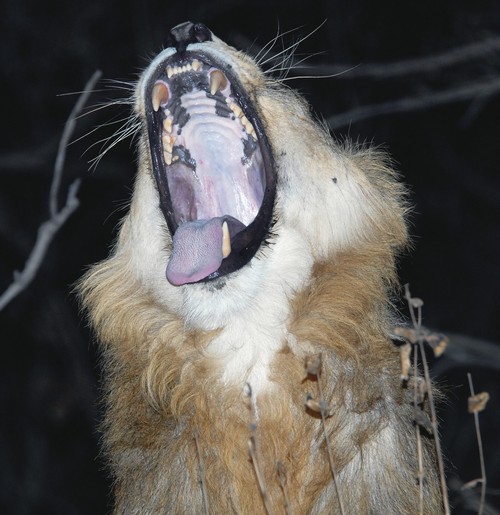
(186, 33)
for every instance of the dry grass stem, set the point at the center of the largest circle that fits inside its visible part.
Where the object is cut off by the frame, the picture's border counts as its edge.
(415, 303)
(280, 469)
(201, 470)
(313, 367)
(420, 475)
(477, 403)
(253, 449)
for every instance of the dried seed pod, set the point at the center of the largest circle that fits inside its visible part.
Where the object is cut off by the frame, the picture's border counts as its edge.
(405, 352)
(421, 418)
(318, 406)
(477, 403)
(407, 333)
(419, 386)
(438, 342)
(313, 365)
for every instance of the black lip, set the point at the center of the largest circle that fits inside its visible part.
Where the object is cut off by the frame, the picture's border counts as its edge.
(246, 243)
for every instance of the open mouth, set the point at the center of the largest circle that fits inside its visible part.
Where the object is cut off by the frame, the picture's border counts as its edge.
(213, 166)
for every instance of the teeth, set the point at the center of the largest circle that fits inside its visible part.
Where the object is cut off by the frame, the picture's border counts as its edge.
(194, 65)
(168, 144)
(159, 95)
(167, 125)
(249, 129)
(237, 110)
(217, 81)
(226, 241)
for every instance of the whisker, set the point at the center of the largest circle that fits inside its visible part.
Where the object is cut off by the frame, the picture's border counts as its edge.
(293, 46)
(105, 124)
(272, 42)
(320, 76)
(103, 105)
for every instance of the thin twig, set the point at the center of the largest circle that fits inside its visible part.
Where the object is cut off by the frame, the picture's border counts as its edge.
(434, 422)
(280, 469)
(49, 228)
(323, 412)
(419, 437)
(421, 102)
(254, 453)
(201, 471)
(66, 136)
(417, 322)
(481, 454)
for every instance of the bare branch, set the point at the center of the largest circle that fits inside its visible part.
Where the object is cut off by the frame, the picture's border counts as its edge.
(48, 229)
(421, 102)
(397, 69)
(63, 143)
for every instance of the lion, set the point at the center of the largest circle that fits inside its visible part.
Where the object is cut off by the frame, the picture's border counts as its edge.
(245, 311)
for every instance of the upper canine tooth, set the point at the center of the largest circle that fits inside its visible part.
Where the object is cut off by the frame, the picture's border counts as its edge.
(226, 241)
(159, 95)
(196, 65)
(217, 81)
(170, 71)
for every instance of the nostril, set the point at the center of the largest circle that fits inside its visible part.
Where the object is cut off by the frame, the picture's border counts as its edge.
(201, 32)
(186, 33)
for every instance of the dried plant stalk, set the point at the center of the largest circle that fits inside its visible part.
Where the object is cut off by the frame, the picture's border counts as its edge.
(201, 470)
(254, 453)
(280, 469)
(313, 367)
(415, 303)
(477, 403)
(420, 475)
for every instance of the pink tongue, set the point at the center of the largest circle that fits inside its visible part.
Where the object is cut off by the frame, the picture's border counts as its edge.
(197, 251)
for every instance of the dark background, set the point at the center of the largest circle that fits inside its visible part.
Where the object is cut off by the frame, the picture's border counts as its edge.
(443, 137)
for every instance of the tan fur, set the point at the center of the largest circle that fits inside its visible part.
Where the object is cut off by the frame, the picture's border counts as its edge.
(162, 385)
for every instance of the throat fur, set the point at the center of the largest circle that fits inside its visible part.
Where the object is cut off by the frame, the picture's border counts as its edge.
(163, 390)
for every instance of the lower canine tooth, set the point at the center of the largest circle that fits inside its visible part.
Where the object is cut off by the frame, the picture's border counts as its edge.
(226, 241)
(159, 95)
(217, 81)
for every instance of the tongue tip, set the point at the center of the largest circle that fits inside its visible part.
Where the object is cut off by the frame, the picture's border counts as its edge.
(196, 251)
(176, 278)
